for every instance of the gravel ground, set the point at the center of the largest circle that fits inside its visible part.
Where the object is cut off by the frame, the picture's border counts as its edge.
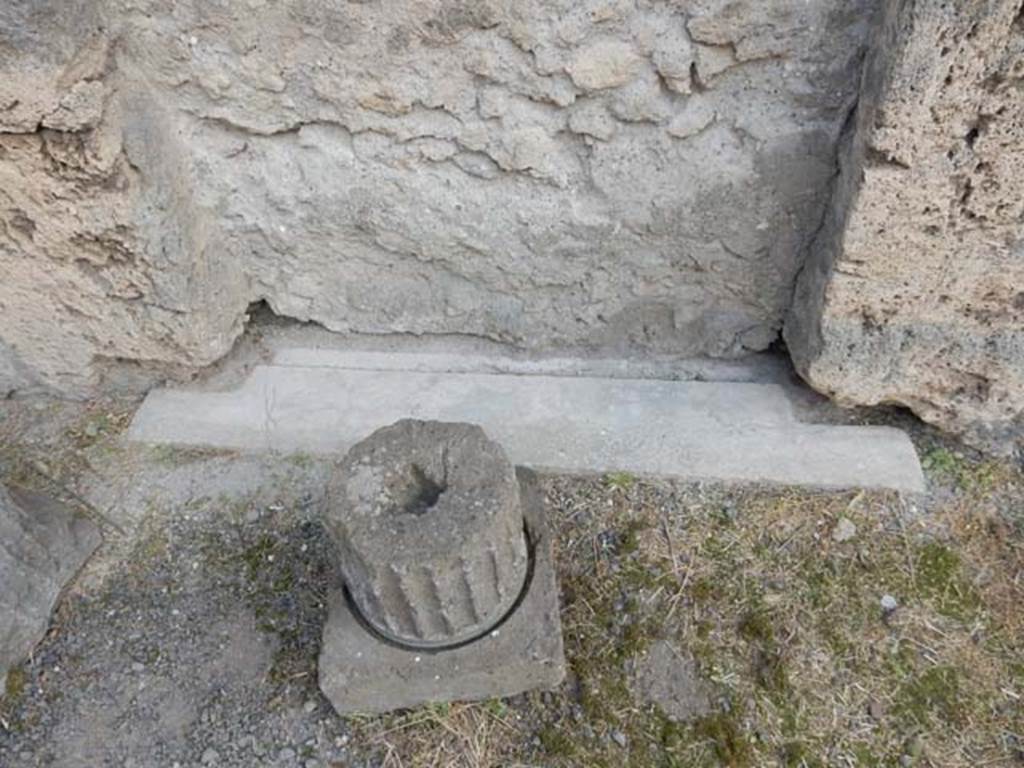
(809, 629)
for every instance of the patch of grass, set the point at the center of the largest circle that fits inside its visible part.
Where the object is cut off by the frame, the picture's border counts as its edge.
(796, 754)
(969, 475)
(704, 590)
(556, 742)
(180, 455)
(630, 537)
(98, 424)
(496, 707)
(939, 577)
(942, 461)
(936, 692)
(154, 546)
(15, 689)
(258, 556)
(756, 627)
(730, 744)
(301, 459)
(619, 481)
(15, 685)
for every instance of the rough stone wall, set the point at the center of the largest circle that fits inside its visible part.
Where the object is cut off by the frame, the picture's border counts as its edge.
(104, 256)
(915, 292)
(541, 172)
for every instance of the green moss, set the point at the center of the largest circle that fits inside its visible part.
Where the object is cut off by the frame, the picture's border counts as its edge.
(496, 707)
(968, 475)
(704, 590)
(289, 662)
(603, 689)
(283, 583)
(176, 456)
(942, 461)
(439, 710)
(15, 685)
(301, 459)
(256, 557)
(637, 576)
(621, 481)
(15, 689)
(771, 673)
(865, 757)
(555, 742)
(630, 538)
(939, 577)
(796, 754)
(819, 579)
(730, 744)
(756, 626)
(936, 692)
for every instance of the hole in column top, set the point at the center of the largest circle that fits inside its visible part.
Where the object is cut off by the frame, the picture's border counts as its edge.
(418, 493)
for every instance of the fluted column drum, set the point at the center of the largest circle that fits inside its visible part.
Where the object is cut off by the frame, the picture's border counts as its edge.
(427, 519)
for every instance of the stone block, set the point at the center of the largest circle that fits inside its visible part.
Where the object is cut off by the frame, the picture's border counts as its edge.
(42, 546)
(914, 289)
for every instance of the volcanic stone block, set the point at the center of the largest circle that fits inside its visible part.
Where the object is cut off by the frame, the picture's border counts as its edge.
(42, 546)
(359, 672)
(914, 291)
(426, 515)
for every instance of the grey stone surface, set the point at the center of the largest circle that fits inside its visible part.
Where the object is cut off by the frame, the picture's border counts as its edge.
(670, 679)
(542, 173)
(915, 292)
(13, 376)
(426, 518)
(359, 673)
(709, 430)
(42, 546)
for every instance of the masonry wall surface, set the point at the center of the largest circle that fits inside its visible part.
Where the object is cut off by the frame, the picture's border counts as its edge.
(606, 175)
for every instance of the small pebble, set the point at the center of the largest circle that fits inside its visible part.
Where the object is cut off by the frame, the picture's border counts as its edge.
(309, 707)
(620, 738)
(889, 603)
(210, 756)
(286, 754)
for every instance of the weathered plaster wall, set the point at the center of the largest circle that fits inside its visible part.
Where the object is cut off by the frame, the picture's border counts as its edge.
(541, 172)
(915, 292)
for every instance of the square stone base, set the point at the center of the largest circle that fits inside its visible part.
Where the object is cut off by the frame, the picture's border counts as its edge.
(359, 672)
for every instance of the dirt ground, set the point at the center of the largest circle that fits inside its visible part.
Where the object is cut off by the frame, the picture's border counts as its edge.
(705, 625)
